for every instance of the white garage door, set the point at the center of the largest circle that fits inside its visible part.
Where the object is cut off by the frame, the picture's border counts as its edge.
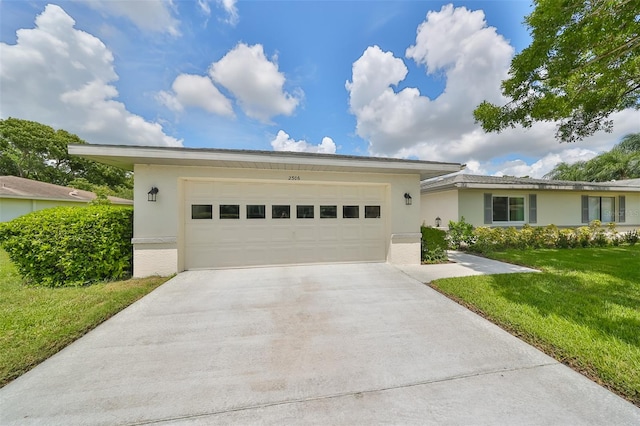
(230, 223)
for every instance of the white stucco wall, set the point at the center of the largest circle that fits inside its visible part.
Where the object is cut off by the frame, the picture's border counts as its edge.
(163, 220)
(560, 208)
(11, 208)
(443, 204)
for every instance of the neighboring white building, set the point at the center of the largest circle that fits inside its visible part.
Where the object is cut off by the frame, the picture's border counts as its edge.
(19, 196)
(219, 208)
(509, 201)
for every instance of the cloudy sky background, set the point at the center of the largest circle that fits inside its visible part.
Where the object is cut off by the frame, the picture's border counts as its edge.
(378, 78)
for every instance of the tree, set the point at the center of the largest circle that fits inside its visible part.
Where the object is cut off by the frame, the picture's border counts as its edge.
(564, 171)
(35, 151)
(630, 143)
(582, 66)
(622, 162)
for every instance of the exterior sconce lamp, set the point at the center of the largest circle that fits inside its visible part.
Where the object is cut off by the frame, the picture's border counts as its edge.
(407, 199)
(151, 195)
(438, 221)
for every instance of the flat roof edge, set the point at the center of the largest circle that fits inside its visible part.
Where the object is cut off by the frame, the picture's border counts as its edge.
(532, 186)
(129, 155)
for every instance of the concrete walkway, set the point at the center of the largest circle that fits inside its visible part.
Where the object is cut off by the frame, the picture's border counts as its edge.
(345, 344)
(463, 265)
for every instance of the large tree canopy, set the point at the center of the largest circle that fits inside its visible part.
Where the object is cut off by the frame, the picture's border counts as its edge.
(622, 162)
(582, 66)
(36, 151)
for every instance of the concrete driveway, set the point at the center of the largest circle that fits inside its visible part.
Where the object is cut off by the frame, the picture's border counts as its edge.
(329, 344)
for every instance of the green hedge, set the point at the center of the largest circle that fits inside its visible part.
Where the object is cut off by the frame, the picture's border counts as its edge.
(434, 245)
(71, 246)
(595, 235)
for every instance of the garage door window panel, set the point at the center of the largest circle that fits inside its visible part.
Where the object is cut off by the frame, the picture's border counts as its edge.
(255, 211)
(229, 211)
(350, 212)
(201, 211)
(304, 212)
(280, 212)
(328, 212)
(372, 212)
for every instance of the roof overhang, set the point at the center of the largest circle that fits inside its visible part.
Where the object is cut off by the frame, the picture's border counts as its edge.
(582, 186)
(114, 200)
(126, 156)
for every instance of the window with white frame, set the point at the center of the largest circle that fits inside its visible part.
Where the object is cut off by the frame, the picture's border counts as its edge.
(508, 209)
(602, 209)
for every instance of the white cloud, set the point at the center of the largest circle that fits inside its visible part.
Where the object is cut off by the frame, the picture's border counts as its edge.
(62, 77)
(283, 142)
(255, 82)
(544, 165)
(232, 11)
(455, 44)
(196, 91)
(204, 6)
(148, 15)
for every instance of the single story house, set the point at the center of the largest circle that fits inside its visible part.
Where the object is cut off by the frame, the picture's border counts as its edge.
(19, 196)
(509, 201)
(217, 208)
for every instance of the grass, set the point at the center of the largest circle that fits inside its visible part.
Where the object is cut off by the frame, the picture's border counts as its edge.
(36, 322)
(583, 309)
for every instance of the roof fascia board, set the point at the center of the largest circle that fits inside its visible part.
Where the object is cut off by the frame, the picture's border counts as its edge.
(31, 197)
(148, 155)
(537, 187)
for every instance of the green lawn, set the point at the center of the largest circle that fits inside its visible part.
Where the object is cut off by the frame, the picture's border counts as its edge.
(583, 309)
(37, 322)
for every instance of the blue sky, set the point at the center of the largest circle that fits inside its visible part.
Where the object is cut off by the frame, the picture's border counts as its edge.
(383, 78)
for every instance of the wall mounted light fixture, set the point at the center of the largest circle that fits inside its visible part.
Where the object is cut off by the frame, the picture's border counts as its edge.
(407, 199)
(151, 195)
(438, 221)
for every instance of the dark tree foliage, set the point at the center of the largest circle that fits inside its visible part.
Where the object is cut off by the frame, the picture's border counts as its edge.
(35, 151)
(622, 162)
(582, 66)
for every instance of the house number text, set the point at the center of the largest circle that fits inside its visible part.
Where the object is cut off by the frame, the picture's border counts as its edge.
(294, 177)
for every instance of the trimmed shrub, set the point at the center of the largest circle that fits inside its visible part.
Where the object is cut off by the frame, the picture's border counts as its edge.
(71, 246)
(631, 237)
(595, 235)
(434, 245)
(486, 239)
(460, 234)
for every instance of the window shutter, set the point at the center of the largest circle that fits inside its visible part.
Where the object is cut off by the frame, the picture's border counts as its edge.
(488, 209)
(533, 208)
(622, 216)
(585, 209)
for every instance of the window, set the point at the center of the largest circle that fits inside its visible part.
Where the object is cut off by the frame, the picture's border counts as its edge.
(516, 209)
(255, 211)
(607, 209)
(304, 212)
(602, 209)
(201, 211)
(350, 212)
(372, 212)
(280, 212)
(328, 212)
(229, 211)
(508, 209)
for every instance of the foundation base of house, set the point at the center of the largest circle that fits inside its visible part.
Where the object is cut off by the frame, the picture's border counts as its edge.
(404, 249)
(154, 256)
